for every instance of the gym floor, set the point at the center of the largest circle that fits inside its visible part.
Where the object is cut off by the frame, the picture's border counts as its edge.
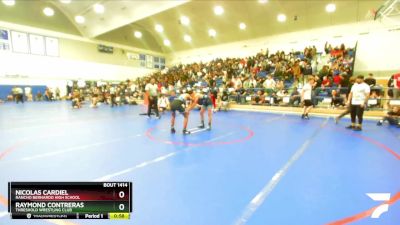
(251, 168)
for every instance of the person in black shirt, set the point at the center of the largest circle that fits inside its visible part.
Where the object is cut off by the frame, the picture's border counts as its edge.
(370, 80)
(392, 117)
(224, 101)
(336, 99)
(390, 86)
(345, 84)
(295, 98)
(352, 80)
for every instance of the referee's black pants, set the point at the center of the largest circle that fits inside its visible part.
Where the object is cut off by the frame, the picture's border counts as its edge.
(153, 105)
(356, 112)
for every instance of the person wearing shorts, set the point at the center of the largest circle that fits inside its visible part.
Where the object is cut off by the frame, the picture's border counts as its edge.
(179, 104)
(306, 94)
(206, 104)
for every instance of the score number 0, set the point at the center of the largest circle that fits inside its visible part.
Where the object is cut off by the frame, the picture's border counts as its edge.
(121, 206)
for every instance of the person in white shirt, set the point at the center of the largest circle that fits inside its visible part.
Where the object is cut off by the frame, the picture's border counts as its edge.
(152, 93)
(28, 94)
(252, 82)
(269, 83)
(306, 95)
(237, 83)
(81, 84)
(163, 103)
(358, 99)
(133, 87)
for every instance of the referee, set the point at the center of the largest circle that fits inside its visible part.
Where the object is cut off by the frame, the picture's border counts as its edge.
(152, 93)
(358, 99)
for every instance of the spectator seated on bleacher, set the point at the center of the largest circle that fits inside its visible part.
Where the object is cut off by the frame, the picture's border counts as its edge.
(323, 72)
(262, 74)
(249, 83)
(223, 101)
(374, 99)
(76, 99)
(10, 97)
(306, 67)
(259, 98)
(48, 95)
(337, 100)
(280, 85)
(326, 82)
(370, 80)
(242, 95)
(295, 98)
(237, 83)
(317, 81)
(378, 90)
(163, 103)
(39, 96)
(338, 52)
(29, 97)
(269, 83)
(337, 80)
(280, 95)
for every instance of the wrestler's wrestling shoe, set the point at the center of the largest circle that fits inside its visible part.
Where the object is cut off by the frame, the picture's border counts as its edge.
(201, 126)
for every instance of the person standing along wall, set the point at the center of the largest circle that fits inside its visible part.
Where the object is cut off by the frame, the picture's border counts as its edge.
(19, 95)
(113, 95)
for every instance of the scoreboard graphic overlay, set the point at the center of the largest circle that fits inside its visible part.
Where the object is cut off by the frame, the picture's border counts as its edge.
(70, 200)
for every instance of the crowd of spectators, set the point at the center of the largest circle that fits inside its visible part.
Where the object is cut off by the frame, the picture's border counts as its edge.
(266, 78)
(20, 95)
(123, 93)
(270, 78)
